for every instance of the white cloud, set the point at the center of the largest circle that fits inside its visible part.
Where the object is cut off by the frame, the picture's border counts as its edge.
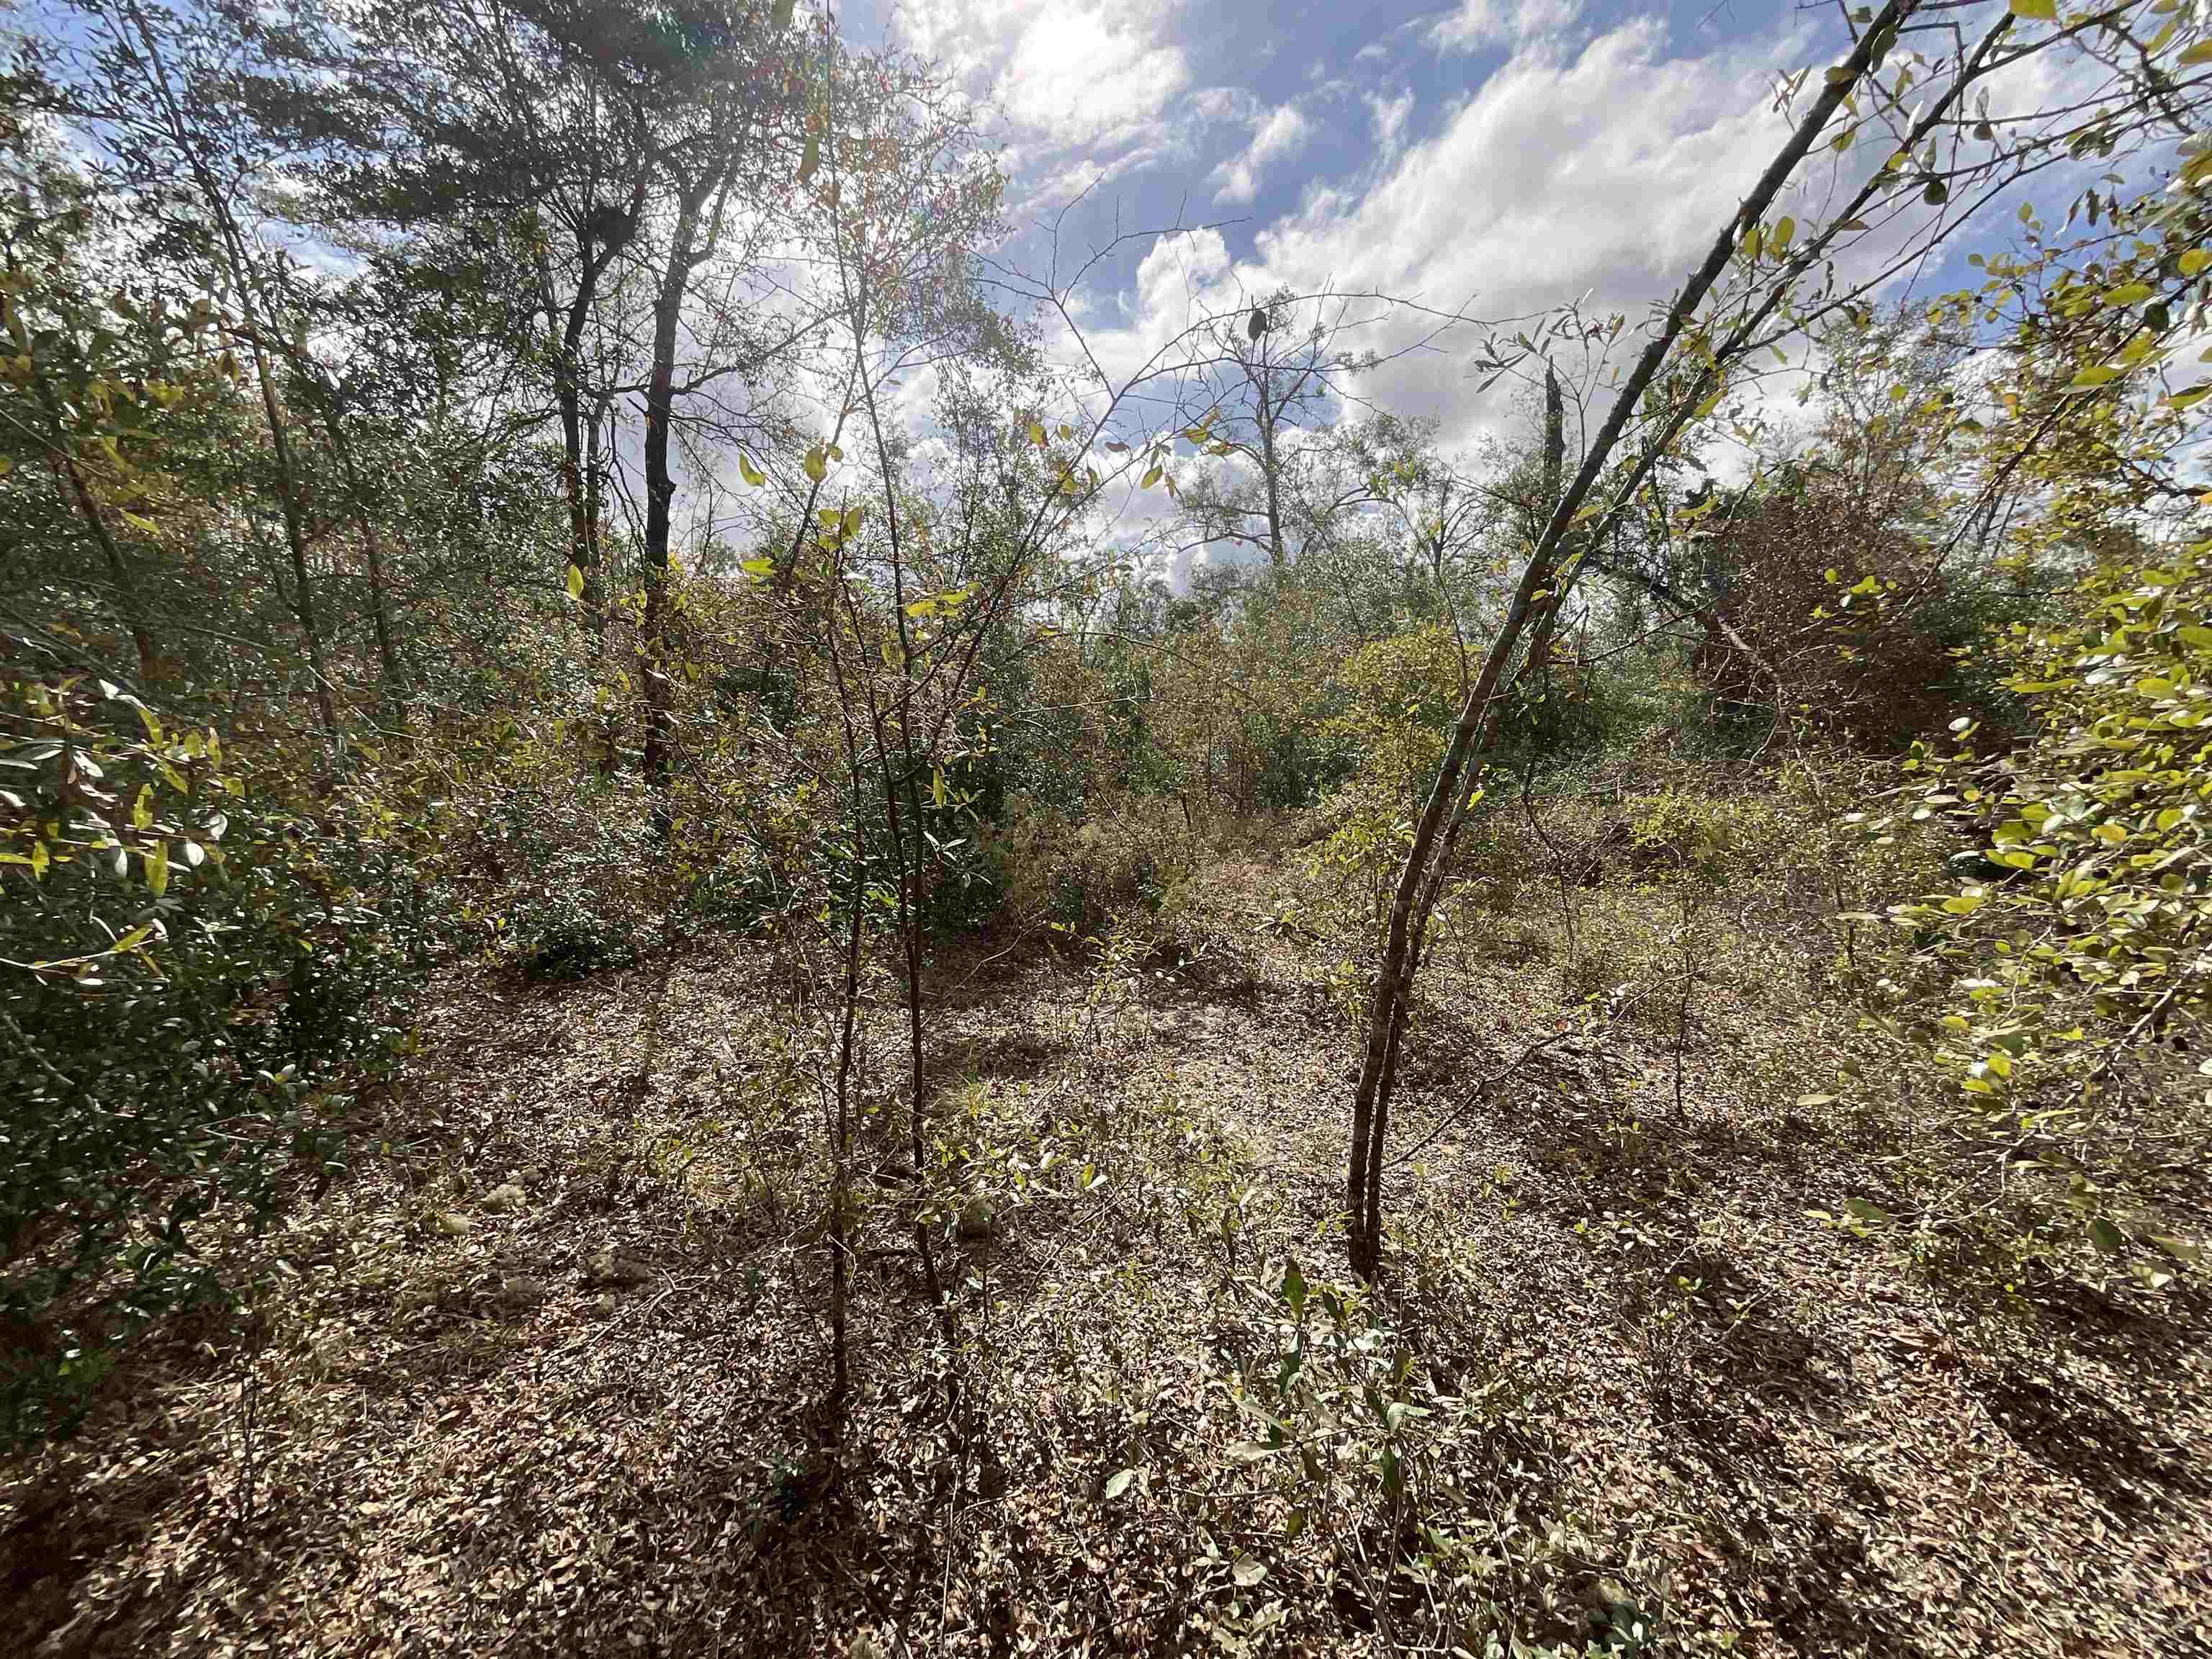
(1479, 23)
(1179, 269)
(1609, 171)
(1089, 76)
(1281, 132)
(1390, 116)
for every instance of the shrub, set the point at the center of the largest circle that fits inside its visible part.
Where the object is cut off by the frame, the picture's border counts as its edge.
(1074, 875)
(195, 965)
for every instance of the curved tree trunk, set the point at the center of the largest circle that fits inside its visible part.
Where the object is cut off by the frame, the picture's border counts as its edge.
(1420, 879)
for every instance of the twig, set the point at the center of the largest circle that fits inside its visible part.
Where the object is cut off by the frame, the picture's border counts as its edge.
(1474, 1095)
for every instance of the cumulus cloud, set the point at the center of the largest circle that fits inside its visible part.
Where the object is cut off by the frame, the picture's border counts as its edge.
(1069, 76)
(1606, 172)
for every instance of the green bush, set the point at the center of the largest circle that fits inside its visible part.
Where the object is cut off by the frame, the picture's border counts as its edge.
(195, 969)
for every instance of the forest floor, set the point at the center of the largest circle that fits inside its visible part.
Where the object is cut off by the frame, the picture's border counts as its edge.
(544, 1371)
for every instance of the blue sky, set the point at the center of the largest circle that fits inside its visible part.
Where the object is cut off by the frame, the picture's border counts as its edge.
(1511, 153)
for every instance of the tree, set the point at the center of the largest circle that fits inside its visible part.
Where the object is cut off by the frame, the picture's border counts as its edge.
(1929, 167)
(502, 133)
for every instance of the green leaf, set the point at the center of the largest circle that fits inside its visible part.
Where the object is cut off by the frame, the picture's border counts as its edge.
(2036, 11)
(1251, 1451)
(157, 868)
(751, 474)
(1247, 1572)
(2181, 1249)
(2194, 261)
(1120, 1484)
(2107, 1237)
(758, 567)
(817, 467)
(2199, 53)
(1860, 1210)
(575, 581)
(779, 16)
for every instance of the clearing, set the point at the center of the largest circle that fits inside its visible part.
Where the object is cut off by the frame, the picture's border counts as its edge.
(544, 1371)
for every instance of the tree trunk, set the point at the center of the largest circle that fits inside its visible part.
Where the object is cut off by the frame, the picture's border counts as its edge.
(660, 505)
(1417, 880)
(393, 680)
(134, 614)
(1275, 552)
(243, 282)
(579, 479)
(1553, 587)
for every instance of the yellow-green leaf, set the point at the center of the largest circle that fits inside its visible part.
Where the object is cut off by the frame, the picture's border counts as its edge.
(2036, 11)
(751, 474)
(157, 868)
(575, 581)
(2194, 261)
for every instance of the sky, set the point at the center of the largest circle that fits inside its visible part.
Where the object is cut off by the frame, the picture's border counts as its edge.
(1504, 155)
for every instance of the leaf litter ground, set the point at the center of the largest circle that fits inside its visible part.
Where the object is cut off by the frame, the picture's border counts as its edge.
(544, 1372)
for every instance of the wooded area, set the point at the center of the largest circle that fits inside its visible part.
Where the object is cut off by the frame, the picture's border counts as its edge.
(720, 937)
